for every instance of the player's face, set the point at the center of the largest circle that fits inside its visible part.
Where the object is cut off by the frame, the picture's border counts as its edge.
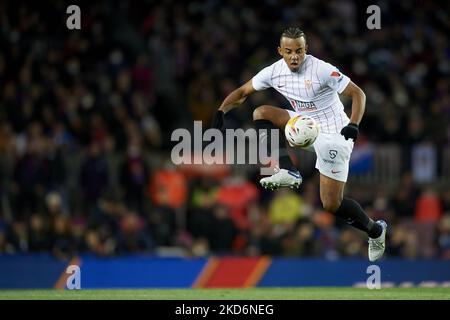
(293, 51)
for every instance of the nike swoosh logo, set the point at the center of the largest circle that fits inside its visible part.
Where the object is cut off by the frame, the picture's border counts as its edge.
(281, 85)
(332, 171)
(297, 175)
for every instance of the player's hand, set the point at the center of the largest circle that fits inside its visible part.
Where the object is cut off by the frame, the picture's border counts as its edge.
(218, 120)
(350, 131)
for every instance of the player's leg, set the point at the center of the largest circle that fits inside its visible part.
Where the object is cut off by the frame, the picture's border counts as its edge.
(333, 158)
(277, 116)
(331, 195)
(268, 118)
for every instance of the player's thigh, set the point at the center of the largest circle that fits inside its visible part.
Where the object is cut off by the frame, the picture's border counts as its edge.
(278, 116)
(331, 192)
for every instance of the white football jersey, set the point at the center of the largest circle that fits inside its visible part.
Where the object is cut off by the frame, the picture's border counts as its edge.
(312, 90)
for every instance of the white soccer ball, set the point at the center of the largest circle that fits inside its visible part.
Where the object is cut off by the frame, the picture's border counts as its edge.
(301, 131)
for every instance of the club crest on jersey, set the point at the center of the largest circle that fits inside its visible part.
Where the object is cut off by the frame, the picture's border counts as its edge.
(308, 84)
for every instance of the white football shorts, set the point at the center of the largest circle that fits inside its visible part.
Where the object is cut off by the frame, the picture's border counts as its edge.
(333, 153)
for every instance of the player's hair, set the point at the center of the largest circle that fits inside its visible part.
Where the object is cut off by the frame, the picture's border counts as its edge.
(293, 33)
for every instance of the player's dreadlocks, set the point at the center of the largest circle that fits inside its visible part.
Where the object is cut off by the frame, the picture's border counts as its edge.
(293, 33)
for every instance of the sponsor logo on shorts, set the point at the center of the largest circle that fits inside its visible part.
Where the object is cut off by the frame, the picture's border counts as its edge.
(333, 154)
(334, 171)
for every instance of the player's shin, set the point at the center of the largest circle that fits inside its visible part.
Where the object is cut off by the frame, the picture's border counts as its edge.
(352, 212)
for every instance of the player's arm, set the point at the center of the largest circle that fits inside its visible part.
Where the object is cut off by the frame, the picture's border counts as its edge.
(358, 101)
(237, 97)
(358, 106)
(233, 100)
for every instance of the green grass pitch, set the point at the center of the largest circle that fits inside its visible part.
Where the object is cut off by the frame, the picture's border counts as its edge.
(308, 293)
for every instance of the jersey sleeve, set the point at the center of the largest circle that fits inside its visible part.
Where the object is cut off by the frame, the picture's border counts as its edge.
(263, 79)
(333, 78)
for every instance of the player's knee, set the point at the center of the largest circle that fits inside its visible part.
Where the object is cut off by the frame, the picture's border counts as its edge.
(260, 113)
(331, 205)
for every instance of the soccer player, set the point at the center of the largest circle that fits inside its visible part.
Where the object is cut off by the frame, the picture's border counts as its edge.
(311, 86)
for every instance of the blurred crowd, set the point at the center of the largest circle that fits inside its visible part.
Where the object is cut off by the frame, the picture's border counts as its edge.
(86, 118)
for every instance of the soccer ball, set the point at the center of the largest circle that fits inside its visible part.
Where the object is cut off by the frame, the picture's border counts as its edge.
(301, 131)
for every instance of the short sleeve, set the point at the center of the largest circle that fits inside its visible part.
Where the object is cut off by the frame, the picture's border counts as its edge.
(263, 79)
(333, 78)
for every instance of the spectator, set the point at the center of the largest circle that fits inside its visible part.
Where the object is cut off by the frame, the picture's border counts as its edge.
(302, 242)
(285, 208)
(427, 214)
(94, 174)
(168, 188)
(200, 212)
(404, 242)
(28, 185)
(134, 178)
(133, 238)
(18, 237)
(3, 237)
(62, 242)
(39, 236)
(236, 193)
(403, 201)
(443, 237)
(350, 243)
(222, 231)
